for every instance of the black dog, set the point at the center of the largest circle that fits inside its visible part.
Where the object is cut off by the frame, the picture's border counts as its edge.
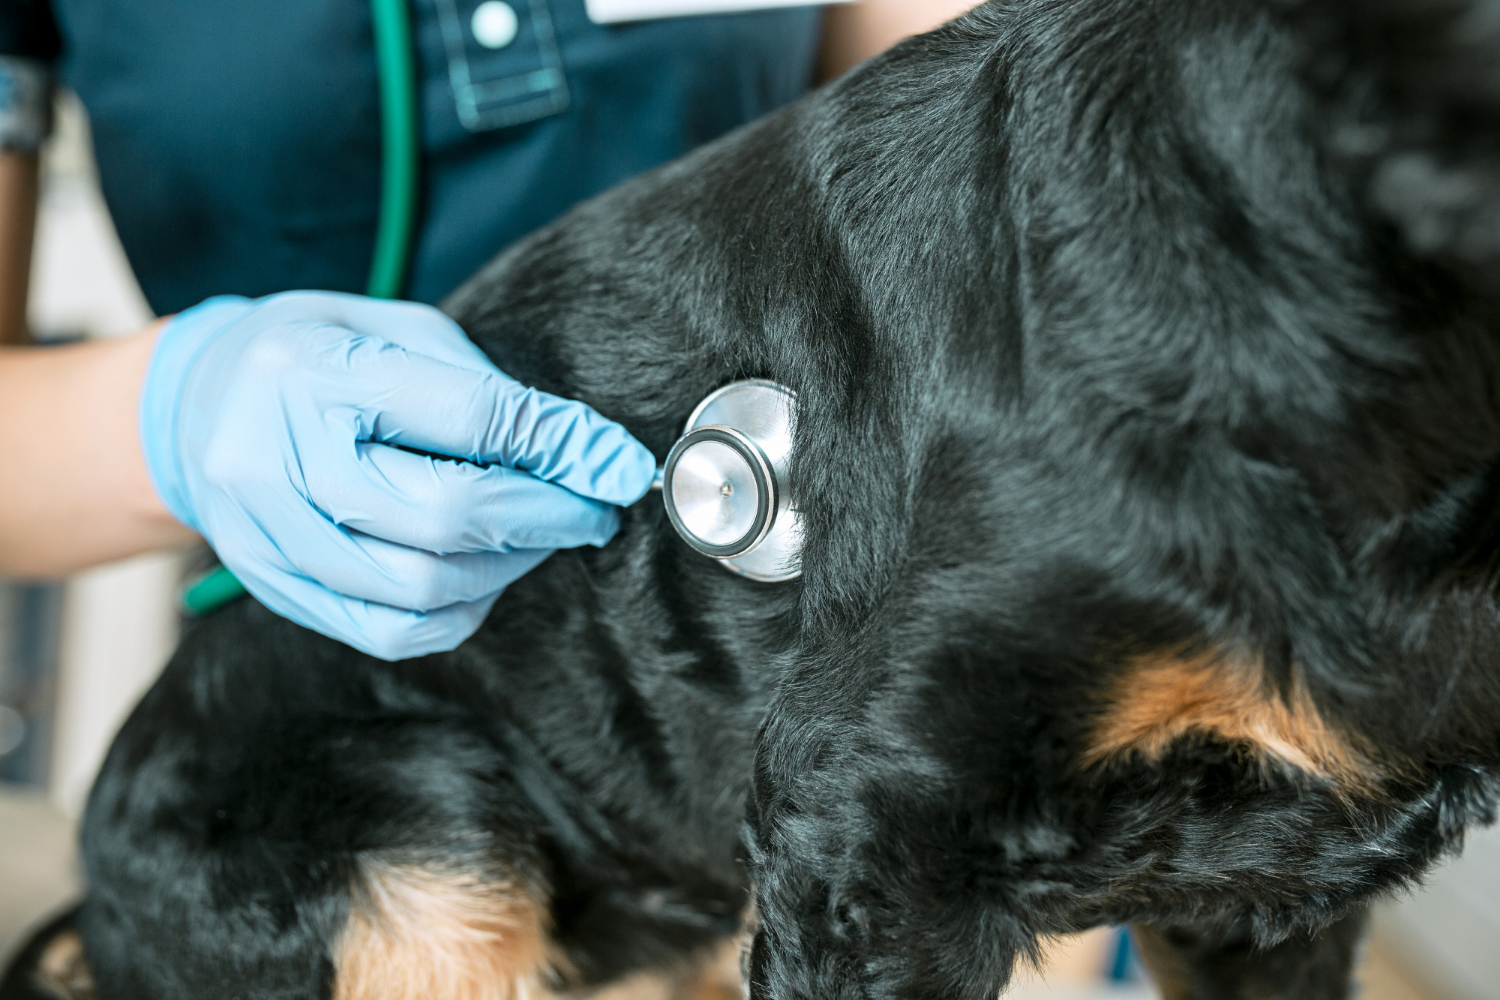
(1148, 356)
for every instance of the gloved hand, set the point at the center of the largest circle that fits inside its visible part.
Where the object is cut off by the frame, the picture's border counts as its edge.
(278, 429)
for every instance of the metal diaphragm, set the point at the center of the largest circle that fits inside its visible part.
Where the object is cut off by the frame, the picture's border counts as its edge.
(722, 491)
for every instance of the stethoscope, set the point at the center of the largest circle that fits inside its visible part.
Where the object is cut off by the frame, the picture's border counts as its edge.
(758, 464)
(726, 482)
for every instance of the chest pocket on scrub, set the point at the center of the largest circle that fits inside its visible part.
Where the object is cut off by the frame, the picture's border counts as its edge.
(503, 61)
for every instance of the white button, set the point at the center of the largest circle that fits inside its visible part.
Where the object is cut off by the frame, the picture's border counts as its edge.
(495, 24)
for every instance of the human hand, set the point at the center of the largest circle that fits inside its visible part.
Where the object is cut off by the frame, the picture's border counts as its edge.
(285, 430)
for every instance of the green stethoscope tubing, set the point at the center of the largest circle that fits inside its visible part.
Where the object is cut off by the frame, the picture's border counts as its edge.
(400, 132)
(401, 159)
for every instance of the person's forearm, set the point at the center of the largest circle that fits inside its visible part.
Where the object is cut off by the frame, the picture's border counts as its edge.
(18, 189)
(857, 31)
(74, 490)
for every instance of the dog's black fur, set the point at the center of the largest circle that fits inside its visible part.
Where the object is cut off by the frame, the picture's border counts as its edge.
(1124, 332)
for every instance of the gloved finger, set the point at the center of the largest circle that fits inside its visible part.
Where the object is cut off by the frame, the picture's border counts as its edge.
(412, 326)
(446, 507)
(372, 569)
(490, 418)
(381, 631)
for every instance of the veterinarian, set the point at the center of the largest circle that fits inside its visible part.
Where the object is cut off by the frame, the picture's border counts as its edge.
(240, 151)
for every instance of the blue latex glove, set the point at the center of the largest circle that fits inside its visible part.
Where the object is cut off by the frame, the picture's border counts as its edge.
(268, 426)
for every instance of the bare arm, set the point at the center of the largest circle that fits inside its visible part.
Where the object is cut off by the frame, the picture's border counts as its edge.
(76, 492)
(855, 32)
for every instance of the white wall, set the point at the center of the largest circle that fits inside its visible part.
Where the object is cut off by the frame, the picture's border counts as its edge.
(1450, 932)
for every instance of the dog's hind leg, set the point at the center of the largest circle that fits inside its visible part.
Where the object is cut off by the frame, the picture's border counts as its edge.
(51, 966)
(1194, 964)
(313, 856)
(455, 928)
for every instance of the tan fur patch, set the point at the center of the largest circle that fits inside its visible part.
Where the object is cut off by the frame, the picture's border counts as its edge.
(720, 976)
(419, 933)
(719, 973)
(715, 976)
(64, 970)
(1168, 968)
(1159, 700)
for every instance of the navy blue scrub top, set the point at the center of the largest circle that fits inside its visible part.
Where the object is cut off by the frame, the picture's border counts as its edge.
(239, 142)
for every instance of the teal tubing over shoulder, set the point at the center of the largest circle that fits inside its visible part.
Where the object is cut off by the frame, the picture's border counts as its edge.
(401, 164)
(401, 148)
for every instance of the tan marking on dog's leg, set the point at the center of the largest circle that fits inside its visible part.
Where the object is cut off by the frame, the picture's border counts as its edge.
(724, 972)
(718, 973)
(720, 976)
(64, 969)
(714, 976)
(1168, 968)
(1159, 700)
(417, 933)
(637, 986)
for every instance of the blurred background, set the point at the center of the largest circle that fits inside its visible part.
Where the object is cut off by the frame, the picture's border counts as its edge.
(75, 655)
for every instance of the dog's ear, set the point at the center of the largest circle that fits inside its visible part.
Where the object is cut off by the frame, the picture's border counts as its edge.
(1412, 91)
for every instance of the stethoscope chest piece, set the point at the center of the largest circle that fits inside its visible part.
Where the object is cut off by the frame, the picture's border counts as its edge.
(725, 481)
